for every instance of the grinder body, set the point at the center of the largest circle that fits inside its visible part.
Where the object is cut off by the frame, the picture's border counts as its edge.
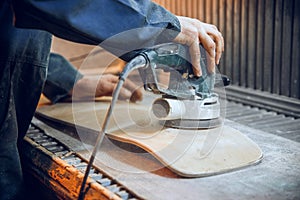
(175, 59)
(188, 102)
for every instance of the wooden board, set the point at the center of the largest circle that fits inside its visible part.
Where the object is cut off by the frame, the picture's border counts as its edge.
(188, 153)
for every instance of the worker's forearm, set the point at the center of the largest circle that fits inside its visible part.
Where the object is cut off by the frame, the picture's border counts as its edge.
(93, 21)
(61, 78)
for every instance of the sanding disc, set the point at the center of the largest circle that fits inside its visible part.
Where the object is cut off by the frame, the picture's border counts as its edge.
(192, 124)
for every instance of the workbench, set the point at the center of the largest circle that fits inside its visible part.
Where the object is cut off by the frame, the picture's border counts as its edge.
(276, 177)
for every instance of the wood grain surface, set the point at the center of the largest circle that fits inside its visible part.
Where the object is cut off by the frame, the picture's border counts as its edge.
(189, 153)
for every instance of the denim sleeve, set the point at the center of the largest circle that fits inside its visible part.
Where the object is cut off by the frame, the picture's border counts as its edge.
(130, 24)
(61, 78)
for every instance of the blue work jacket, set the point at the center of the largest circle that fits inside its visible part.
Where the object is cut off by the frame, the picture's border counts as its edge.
(119, 26)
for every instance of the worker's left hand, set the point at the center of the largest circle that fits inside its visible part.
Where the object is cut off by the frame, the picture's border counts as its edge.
(91, 86)
(193, 32)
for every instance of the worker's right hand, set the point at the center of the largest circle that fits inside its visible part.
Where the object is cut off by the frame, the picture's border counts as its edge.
(193, 32)
(91, 86)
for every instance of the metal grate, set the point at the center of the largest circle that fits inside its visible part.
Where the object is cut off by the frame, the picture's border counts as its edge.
(271, 122)
(54, 146)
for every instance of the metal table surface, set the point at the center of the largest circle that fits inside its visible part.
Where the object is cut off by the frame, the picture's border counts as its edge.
(261, 119)
(276, 177)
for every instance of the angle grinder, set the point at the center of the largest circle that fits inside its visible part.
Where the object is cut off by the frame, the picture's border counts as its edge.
(188, 102)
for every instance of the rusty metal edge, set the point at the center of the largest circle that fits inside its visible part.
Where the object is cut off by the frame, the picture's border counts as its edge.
(60, 177)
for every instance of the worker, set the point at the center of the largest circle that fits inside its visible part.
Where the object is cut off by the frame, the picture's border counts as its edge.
(62, 77)
(25, 39)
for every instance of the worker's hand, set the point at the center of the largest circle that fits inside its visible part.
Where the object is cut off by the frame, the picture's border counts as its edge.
(193, 32)
(95, 86)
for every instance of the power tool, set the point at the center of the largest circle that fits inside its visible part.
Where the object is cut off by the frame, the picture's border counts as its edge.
(187, 102)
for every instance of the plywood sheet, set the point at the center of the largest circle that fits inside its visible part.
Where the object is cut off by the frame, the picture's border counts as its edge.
(188, 153)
